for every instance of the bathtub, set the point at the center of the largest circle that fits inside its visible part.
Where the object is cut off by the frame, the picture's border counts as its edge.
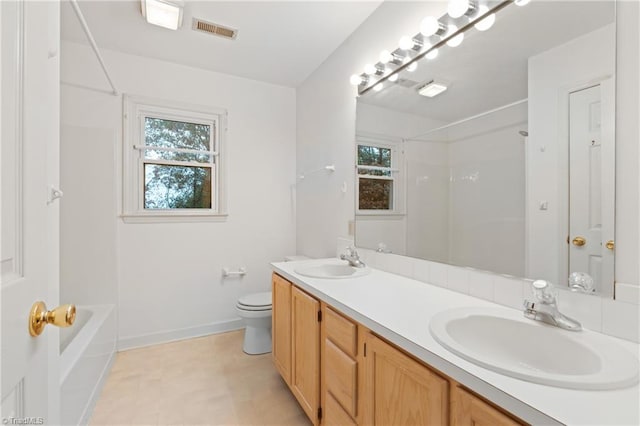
(86, 353)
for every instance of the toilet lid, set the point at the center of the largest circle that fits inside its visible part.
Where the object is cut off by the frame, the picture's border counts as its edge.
(256, 300)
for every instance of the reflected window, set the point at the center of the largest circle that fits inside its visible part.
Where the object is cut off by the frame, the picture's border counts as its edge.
(376, 178)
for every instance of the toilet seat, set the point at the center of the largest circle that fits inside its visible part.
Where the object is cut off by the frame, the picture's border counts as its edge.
(255, 302)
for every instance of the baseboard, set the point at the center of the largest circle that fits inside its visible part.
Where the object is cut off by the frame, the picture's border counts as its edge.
(97, 391)
(180, 334)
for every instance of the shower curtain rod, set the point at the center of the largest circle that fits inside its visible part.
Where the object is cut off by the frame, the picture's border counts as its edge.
(87, 31)
(464, 120)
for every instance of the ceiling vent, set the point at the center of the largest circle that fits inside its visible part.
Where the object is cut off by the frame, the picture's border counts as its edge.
(214, 29)
(405, 82)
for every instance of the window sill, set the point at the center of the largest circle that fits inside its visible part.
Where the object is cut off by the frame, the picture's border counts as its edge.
(174, 218)
(374, 215)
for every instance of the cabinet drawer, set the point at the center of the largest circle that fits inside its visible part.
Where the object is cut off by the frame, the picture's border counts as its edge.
(341, 377)
(341, 331)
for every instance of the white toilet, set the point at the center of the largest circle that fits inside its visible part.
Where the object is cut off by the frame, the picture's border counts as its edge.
(255, 310)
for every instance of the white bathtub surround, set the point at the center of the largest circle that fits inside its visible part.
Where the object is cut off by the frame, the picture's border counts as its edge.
(408, 307)
(613, 317)
(169, 282)
(85, 361)
(628, 293)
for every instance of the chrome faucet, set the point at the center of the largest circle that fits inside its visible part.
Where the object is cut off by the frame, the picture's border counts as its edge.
(545, 309)
(352, 257)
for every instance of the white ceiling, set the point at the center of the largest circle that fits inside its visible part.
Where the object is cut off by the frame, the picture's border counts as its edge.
(489, 69)
(277, 42)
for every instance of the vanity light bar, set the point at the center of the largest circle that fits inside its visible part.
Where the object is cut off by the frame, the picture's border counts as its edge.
(402, 57)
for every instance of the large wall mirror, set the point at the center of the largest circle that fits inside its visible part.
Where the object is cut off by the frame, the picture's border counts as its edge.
(499, 154)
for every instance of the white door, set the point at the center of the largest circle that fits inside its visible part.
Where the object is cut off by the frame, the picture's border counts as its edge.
(591, 183)
(29, 123)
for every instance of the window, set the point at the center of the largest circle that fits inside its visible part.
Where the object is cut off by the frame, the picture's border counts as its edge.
(378, 188)
(173, 162)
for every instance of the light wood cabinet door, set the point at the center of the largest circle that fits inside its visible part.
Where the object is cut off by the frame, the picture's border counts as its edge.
(281, 326)
(399, 390)
(334, 414)
(305, 371)
(469, 410)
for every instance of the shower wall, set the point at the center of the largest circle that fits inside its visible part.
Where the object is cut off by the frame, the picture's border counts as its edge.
(487, 197)
(88, 260)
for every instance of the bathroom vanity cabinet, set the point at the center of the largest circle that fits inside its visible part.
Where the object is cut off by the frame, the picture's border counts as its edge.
(342, 374)
(296, 343)
(401, 391)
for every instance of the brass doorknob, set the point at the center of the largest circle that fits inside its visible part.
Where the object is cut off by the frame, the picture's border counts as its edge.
(62, 316)
(579, 241)
(610, 245)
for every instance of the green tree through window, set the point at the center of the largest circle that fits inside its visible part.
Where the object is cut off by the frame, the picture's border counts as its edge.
(179, 185)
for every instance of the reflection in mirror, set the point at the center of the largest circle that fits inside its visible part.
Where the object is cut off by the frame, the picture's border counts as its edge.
(499, 154)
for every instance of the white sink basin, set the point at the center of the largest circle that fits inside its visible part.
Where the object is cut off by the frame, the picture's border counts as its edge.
(515, 346)
(332, 271)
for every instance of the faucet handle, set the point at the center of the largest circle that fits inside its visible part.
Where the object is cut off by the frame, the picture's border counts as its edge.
(544, 291)
(581, 282)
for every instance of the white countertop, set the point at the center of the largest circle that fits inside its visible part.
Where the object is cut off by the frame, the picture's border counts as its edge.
(399, 309)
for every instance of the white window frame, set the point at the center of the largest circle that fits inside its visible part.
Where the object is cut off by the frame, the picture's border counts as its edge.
(397, 177)
(136, 110)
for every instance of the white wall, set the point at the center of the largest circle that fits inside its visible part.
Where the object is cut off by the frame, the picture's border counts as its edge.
(628, 149)
(552, 74)
(169, 278)
(373, 120)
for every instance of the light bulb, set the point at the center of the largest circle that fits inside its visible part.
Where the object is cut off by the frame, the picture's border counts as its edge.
(457, 8)
(521, 2)
(369, 69)
(429, 26)
(457, 40)
(487, 22)
(432, 55)
(378, 87)
(393, 78)
(356, 80)
(385, 56)
(412, 67)
(406, 43)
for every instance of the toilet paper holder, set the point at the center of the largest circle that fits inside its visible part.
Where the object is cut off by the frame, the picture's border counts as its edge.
(226, 272)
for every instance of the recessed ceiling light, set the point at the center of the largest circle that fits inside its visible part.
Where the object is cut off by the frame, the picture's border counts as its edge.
(432, 89)
(164, 13)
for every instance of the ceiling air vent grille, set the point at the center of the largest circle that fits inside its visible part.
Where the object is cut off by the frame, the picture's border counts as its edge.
(405, 82)
(214, 29)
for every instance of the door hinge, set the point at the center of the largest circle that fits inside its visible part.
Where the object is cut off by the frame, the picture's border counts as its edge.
(319, 316)
(319, 413)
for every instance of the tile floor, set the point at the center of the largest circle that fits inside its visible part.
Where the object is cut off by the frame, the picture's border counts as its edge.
(208, 380)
